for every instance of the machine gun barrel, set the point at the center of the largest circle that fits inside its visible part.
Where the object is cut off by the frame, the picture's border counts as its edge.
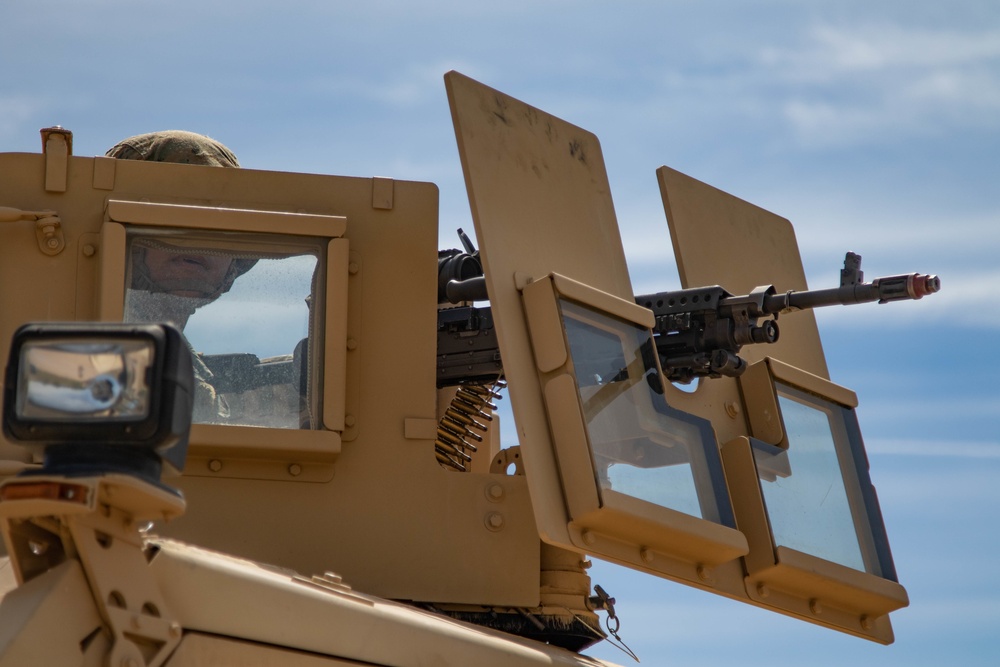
(889, 288)
(699, 332)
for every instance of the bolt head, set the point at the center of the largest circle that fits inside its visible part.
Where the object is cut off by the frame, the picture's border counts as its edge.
(494, 521)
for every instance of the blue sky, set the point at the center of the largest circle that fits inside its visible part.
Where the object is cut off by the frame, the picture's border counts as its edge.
(874, 127)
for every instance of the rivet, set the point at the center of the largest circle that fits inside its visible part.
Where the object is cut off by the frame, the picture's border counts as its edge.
(763, 590)
(349, 420)
(89, 250)
(174, 630)
(704, 573)
(815, 607)
(588, 537)
(353, 267)
(295, 470)
(732, 409)
(215, 465)
(866, 623)
(352, 344)
(646, 555)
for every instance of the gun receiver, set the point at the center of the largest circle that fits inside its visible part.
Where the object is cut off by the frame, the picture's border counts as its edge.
(699, 332)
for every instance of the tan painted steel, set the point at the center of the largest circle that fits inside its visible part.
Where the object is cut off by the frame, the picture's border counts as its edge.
(719, 239)
(252, 602)
(381, 511)
(49, 620)
(537, 184)
(537, 187)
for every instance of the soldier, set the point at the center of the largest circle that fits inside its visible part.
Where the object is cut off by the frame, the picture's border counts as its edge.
(168, 282)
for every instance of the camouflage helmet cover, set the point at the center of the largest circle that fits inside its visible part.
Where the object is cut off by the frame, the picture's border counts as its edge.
(182, 147)
(174, 146)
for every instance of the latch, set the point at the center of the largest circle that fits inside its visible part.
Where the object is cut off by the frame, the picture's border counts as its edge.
(48, 227)
(605, 602)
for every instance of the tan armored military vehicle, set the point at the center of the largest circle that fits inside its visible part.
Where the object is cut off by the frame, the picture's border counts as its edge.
(341, 496)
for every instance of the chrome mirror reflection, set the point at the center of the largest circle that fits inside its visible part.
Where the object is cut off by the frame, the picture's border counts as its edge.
(73, 379)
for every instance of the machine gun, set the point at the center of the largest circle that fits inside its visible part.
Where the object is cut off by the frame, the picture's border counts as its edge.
(467, 349)
(699, 332)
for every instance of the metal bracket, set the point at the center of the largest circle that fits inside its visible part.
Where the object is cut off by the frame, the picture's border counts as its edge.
(57, 145)
(506, 458)
(49, 520)
(143, 632)
(49, 233)
(48, 227)
(382, 193)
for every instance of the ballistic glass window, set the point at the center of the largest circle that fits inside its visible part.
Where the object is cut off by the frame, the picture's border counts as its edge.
(640, 446)
(245, 304)
(814, 492)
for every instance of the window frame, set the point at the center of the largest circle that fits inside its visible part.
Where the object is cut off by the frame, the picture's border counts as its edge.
(785, 578)
(258, 452)
(604, 522)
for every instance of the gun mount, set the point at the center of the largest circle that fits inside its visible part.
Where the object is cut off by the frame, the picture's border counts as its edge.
(700, 331)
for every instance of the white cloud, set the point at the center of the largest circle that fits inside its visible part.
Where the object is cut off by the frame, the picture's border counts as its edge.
(899, 235)
(415, 83)
(826, 123)
(975, 89)
(830, 52)
(874, 47)
(866, 82)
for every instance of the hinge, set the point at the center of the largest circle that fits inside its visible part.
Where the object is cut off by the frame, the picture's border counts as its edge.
(57, 146)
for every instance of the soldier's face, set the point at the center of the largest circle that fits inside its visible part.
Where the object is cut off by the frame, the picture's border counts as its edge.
(193, 275)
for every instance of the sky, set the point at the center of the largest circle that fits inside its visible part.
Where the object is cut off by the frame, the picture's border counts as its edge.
(873, 127)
